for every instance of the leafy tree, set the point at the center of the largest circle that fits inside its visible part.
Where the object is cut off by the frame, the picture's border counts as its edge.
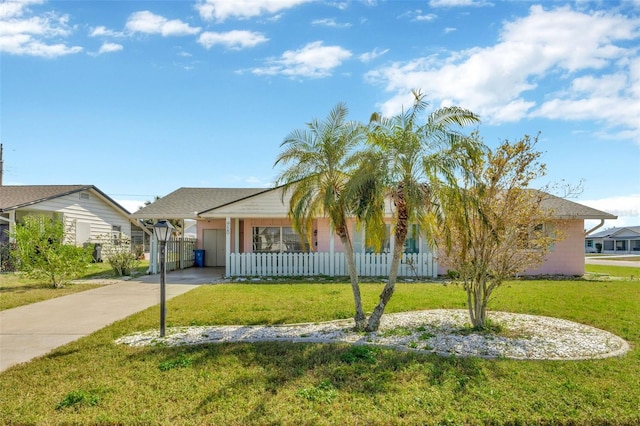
(496, 226)
(320, 161)
(405, 162)
(41, 252)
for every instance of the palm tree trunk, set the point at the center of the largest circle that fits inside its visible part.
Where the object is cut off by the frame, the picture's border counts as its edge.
(359, 318)
(402, 227)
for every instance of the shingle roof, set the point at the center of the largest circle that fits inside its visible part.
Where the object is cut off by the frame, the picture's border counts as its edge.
(565, 209)
(613, 231)
(186, 203)
(13, 197)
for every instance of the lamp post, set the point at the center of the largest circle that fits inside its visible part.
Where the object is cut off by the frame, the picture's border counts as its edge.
(162, 230)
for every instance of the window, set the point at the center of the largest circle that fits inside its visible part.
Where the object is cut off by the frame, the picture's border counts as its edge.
(608, 244)
(116, 234)
(386, 243)
(411, 244)
(621, 245)
(277, 239)
(589, 243)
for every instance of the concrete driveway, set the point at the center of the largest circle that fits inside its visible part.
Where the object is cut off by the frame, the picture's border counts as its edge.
(33, 330)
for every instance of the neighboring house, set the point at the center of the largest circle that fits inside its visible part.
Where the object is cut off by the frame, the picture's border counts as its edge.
(88, 213)
(624, 240)
(248, 232)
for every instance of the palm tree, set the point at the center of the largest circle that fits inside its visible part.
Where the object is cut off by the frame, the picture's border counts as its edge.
(321, 159)
(405, 164)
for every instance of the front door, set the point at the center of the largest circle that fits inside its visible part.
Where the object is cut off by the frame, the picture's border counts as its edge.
(214, 245)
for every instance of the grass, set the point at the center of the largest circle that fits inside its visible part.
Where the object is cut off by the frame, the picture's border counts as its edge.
(18, 290)
(617, 272)
(94, 381)
(623, 258)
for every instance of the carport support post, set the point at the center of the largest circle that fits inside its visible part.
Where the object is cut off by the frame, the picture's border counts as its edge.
(227, 246)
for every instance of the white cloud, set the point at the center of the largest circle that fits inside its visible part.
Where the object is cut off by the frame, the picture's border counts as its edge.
(12, 9)
(627, 208)
(220, 10)
(150, 23)
(110, 47)
(370, 56)
(458, 3)
(102, 31)
(313, 60)
(131, 205)
(232, 39)
(22, 33)
(419, 15)
(498, 82)
(330, 22)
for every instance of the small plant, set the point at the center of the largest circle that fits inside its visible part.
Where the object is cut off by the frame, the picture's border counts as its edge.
(138, 251)
(123, 263)
(324, 392)
(490, 327)
(360, 353)
(119, 255)
(398, 331)
(426, 336)
(78, 398)
(182, 361)
(452, 275)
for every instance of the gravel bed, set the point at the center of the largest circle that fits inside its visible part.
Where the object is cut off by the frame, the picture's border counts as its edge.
(443, 331)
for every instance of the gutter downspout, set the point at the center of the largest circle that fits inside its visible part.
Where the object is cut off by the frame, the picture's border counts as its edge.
(594, 228)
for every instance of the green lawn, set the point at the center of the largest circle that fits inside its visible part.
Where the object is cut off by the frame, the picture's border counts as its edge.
(18, 290)
(94, 381)
(616, 272)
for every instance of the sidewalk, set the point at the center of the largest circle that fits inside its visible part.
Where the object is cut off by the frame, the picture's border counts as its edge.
(33, 330)
(612, 261)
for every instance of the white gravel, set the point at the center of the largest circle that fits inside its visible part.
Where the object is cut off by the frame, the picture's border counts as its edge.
(443, 331)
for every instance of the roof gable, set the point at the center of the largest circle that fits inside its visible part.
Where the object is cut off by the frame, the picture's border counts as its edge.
(187, 203)
(267, 203)
(18, 196)
(627, 231)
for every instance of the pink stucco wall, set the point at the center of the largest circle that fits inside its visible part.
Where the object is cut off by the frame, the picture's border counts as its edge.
(567, 256)
(324, 236)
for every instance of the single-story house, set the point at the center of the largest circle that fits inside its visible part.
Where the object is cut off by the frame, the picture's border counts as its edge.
(623, 240)
(86, 211)
(247, 231)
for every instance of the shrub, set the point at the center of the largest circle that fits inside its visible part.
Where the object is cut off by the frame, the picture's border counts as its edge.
(123, 262)
(118, 253)
(41, 251)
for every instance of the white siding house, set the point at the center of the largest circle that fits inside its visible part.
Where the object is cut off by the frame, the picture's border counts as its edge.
(88, 213)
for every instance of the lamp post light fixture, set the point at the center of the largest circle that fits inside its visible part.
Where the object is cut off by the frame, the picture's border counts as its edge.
(162, 230)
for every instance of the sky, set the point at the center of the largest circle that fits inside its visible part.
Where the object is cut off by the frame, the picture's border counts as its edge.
(140, 98)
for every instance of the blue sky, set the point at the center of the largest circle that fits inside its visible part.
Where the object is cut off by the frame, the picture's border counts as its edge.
(142, 97)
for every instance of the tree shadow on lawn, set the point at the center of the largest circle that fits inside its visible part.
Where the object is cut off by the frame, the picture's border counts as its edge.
(265, 369)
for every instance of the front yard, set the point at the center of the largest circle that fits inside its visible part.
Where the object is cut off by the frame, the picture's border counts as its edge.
(17, 290)
(93, 380)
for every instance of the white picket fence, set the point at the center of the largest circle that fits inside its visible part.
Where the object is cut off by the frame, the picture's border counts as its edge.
(310, 264)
